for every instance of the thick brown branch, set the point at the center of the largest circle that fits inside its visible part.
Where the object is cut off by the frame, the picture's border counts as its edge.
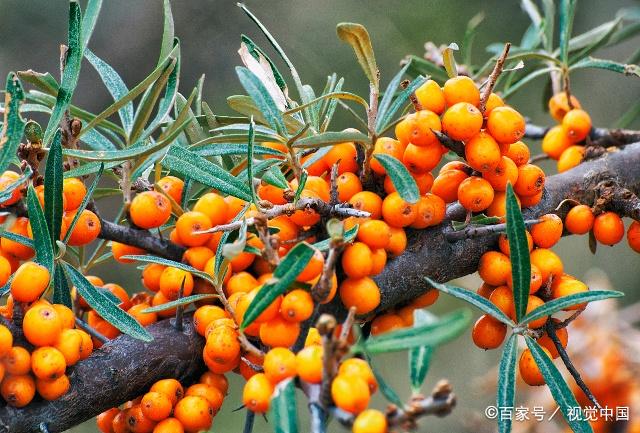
(141, 239)
(602, 136)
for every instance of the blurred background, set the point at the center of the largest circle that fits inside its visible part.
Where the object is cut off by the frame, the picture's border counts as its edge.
(128, 37)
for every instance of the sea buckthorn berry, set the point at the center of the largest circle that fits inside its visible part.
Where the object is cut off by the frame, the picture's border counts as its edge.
(6, 340)
(269, 313)
(348, 184)
(119, 423)
(313, 338)
(86, 230)
(633, 237)
(313, 268)
(87, 344)
(488, 333)
(446, 184)
(169, 425)
(547, 262)
(279, 332)
(137, 421)
(422, 159)
(494, 101)
(74, 192)
(29, 282)
(234, 206)
(118, 250)
(279, 364)
(529, 370)
(374, 233)
(427, 299)
(271, 193)
(566, 287)
(485, 290)
(462, 121)
(482, 152)
(172, 186)
(431, 97)
(424, 181)
(156, 406)
(499, 176)
(385, 323)
(530, 201)
(608, 228)
(378, 260)
(506, 125)
(53, 389)
(241, 282)
(18, 391)
(356, 260)
(172, 279)
(576, 125)
(16, 194)
(306, 216)
(151, 276)
(361, 293)
(475, 194)
(397, 212)
(417, 128)
(169, 387)
(546, 342)
(386, 146)
(105, 420)
(535, 282)
(222, 345)
(297, 306)
(195, 413)
(287, 229)
(5, 270)
(249, 370)
(370, 421)
(345, 155)
(22, 252)
(70, 345)
(42, 325)
(398, 241)
(461, 89)
(519, 153)
(145, 319)
(198, 256)
(502, 297)
(191, 222)
(48, 363)
(17, 361)
(256, 394)
(360, 368)
(555, 142)
(530, 180)
(215, 207)
(209, 393)
(309, 363)
(548, 231)
(206, 314)
(218, 381)
(559, 105)
(498, 207)
(350, 393)
(571, 157)
(119, 292)
(430, 211)
(66, 315)
(150, 209)
(367, 201)
(532, 303)
(579, 219)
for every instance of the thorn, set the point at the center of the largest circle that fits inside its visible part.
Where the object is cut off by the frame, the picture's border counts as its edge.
(179, 310)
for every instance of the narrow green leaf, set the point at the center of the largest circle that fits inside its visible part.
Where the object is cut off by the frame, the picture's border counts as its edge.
(71, 71)
(222, 243)
(42, 81)
(283, 411)
(13, 125)
(115, 85)
(178, 302)
(402, 180)
(446, 329)
(549, 9)
(565, 22)
(593, 39)
(263, 100)
(274, 177)
(7, 192)
(555, 305)
(257, 52)
(167, 262)
(83, 205)
(234, 149)
(245, 105)
(105, 308)
(357, 36)
(188, 163)
(250, 176)
(389, 393)
(168, 32)
(419, 66)
(474, 299)
(506, 394)
(302, 183)
(519, 252)
(89, 20)
(559, 389)
(61, 290)
(330, 138)
(449, 60)
(348, 236)
(22, 240)
(283, 276)
(41, 238)
(53, 197)
(385, 119)
(420, 357)
(608, 65)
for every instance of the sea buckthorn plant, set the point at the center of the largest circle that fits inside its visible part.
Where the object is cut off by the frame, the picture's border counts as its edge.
(273, 247)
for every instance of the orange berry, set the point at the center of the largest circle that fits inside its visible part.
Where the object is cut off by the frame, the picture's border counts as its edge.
(571, 157)
(29, 282)
(70, 345)
(348, 184)
(218, 381)
(397, 212)
(494, 101)
(48, 363)
(370, 421)
(22, 252)
(206, 314)
(169, 425)
(519, 153)
(42, 325)
(559, 105)
(350, 393)
(19, 390)
(369, 202)
(307, 216)
(427, 299)
(151, 276)
(378, 260)
(506, 125)
(119, 292)
(608, 228)
(74, 192)
(87, 344)
(169, 387)
(105, 420)
(547, 262)
(505, 172)
(568, 286)
(494, 268)
(488, 333)
(86, 230)
(485, 290)
(482, 152)
(532, 303)
(461, 89)
(422, 159)
(346, 154)
(386, 146)
(356, 260)
(279, 364)
(271, 193)
(431, 97)
(530, 201)
(362, 293)
(297, 306)
(579, 219)
(313, 268)
(241, 282)
(150, 209)
(279, 332)
(198, 256)
(17, 361)
(256, 394)
(287, 229)
(446, 184)
(156, 406)
(502, 297)
(53, 389)
(309, 363)
(5, 270)
(118, 250)
(431, 211)
(386, 323)
(190, 222)
(209, 392)
(6, 340)
(633, 237)
(529, 370)
(576, 124)
(548, 231)
(195, 413)
(498, 207)
(398, 241)
(555, 142)
(217, 208)
(546, 342)
(172, 279)
(145, 319)
(172, 186)
(462, 121)
(356, 367)
(374, 233)
(475, 194)
(222, 345)
(424, 181)
(530, 180)
(417, 128)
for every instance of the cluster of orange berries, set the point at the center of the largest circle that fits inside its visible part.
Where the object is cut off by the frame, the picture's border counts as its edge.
(50, 329)
(168, 408)
(563, 141)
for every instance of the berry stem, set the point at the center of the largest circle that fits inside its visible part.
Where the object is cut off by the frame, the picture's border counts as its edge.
(493, 77)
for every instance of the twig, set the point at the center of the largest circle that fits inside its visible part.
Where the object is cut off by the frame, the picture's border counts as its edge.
(326, 325)
(334, 185)
(539, 157)
(321, 290)
(248, 422)
(456, 147)
(95, 334)
(551, 331)
(346, 326)
(493, 77)
(318, 418)
(603, 137)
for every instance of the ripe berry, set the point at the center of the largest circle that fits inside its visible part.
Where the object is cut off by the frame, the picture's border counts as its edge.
(348, 184)
(529, 370)
(18, 391)
(309, 363)
(546, 342)
(422, 159)
(17, 361)
(608, 228)
(386, 146)
(569, 286)
(431, 96)
(359, 368)
(374, 233)
(571, 157)
(350, 393)
(150, 209)
(370, 421)
(499, 176)
(488, 333)
(579, 220)
(506, 125)
(87, 228)
(502, 297)
(169, 425)
(279, 364)
(42, 325)
(547, 262)
(173, 279)
(194, 413)
(548, 231)
(461, 89)
(397, 212)
(519, 153)
(462, 121)
(209, 392)
(530, 181)
(29, 282)
(555, 142)
(633, 236)
(417, 128)
(475, 194)
(559, 105)
(279, 332)
(191, 222)
(362, 293)
(576, 125)
(169, 387)
(482, 152)
(297, 306)
(446, 184)
(48, 363)
(256, 394)
(430, 211)
(74, 192)
(367, 201)
(346, 154)
(386, 323)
